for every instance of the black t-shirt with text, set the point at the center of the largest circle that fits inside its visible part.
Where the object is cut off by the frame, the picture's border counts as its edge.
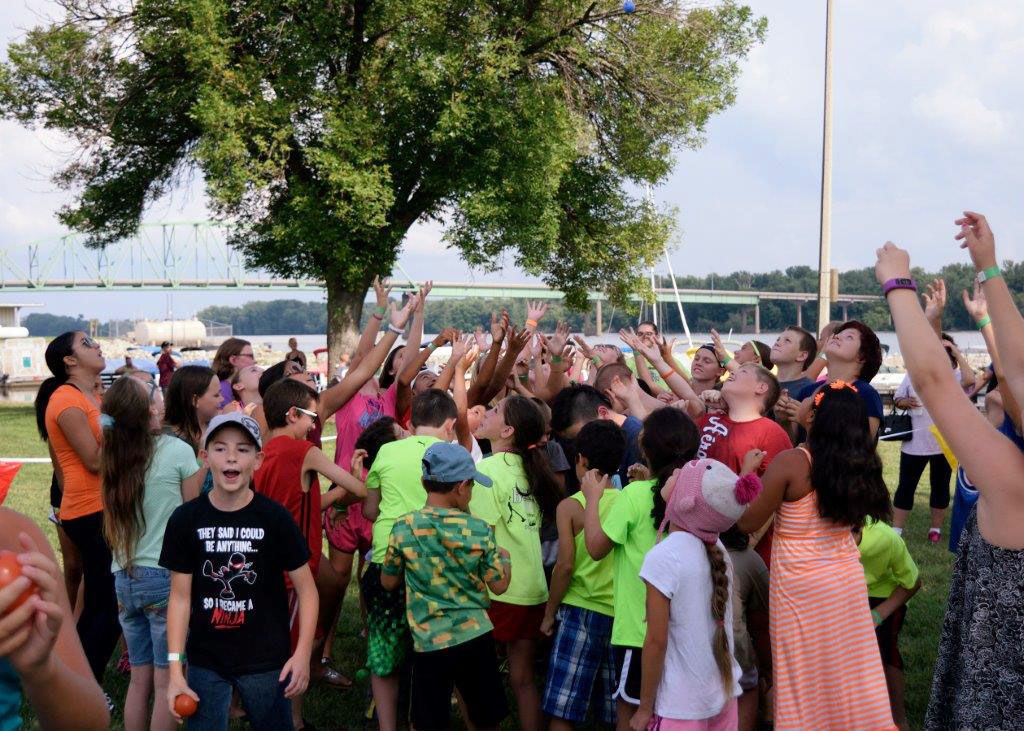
(239, 620)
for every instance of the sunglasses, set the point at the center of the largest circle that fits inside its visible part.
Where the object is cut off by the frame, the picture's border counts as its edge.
(88, 342)
(311, 414)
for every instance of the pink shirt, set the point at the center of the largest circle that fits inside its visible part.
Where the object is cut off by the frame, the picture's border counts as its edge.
(356, 415)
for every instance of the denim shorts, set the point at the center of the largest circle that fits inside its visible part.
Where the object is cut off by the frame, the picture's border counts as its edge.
(142, 594)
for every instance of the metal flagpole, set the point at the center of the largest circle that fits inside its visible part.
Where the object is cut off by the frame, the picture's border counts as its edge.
(679, 301)
(825, 231)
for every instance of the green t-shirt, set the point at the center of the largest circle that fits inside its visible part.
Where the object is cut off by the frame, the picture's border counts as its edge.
(448, 557)
(173, 462)
(592, 585)
(397, 472)
(515, 515)
(631, 528)
(887, 562)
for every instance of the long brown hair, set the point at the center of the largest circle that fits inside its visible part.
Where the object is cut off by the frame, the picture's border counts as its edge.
(719, 600)
(125, 456)
(187, 384)
(222, 358)
(528, 440)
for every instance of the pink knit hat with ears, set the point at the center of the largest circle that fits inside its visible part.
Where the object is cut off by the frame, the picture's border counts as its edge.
(708, 498)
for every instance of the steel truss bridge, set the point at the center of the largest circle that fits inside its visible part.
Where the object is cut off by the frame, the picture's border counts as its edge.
(194, 256)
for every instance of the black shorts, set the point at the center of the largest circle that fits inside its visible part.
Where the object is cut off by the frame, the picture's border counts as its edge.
(472, 667)
(628, 664)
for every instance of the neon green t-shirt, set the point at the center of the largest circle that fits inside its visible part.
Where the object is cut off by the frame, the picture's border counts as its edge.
(631, 528)
(397, 472)
(887, 562)
(592, 585)
(515, 515)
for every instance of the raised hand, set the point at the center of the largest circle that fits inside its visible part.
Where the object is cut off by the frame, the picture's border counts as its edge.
(893, 263)
(720, 352)
(584, 347)
(382, 289)
(977, 307)
(401, 316)
(459, 347)
(536, 346)
(499, 326)
(978, 239)
(665, 347)
(935, 300)
(424, 291)
(481, 338)
(557, 342)
(535, 311)
(467, 360)
(518, 340)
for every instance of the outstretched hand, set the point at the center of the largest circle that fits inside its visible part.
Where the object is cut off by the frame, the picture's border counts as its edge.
(893, 263)
(935, 300)
(535, 311)
(499, 326)
(382, 290)
(977, 306)
(978, 239)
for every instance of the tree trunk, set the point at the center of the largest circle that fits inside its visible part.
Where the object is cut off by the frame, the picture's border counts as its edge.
(344, 309)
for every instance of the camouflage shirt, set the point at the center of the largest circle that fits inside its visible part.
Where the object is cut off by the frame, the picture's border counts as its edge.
(448, 557)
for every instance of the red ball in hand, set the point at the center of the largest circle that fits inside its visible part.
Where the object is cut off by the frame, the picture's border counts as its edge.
(10, 571)
(185, 705)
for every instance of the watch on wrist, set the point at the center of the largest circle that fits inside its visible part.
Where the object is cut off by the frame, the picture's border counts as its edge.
(899, 283)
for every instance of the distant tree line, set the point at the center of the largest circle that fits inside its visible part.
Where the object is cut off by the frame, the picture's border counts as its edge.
(294, 317)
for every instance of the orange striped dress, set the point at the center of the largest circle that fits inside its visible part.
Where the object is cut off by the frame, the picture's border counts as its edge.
(828, 670)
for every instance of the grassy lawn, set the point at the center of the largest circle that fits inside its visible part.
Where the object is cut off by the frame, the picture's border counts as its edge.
(328, 708)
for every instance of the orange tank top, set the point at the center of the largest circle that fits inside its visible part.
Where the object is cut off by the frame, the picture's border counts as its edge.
(82, 494)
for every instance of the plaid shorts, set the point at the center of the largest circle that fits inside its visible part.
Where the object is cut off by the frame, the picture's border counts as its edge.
(389, 641)
(581, 667)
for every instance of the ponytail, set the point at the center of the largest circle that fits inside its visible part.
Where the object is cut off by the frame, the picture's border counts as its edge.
(720, 599)
(668, 441)
(59, 348)
(528, 440)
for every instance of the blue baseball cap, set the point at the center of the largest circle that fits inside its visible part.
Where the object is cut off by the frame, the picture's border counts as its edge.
(446, 462)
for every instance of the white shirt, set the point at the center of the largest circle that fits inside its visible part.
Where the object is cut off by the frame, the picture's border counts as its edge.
(691, 686)
(922, 443)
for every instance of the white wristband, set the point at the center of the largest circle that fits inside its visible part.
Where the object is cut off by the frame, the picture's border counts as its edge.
(395, 330)
(175, 657)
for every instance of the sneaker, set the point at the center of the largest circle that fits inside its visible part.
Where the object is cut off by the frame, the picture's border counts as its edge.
(124, 665)
(110, 702)
(934, 535)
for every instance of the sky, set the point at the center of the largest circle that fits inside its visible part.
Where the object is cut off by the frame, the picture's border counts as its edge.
(926, 97)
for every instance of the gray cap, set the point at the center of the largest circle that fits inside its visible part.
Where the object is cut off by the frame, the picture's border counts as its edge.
(235, 418)
(447, 462)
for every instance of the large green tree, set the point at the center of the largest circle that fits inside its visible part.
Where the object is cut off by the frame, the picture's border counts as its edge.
(326, 128)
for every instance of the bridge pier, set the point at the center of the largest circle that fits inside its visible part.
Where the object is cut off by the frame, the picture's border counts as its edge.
(799, 314)
(846, 312)
(600, 319)
(757, 319)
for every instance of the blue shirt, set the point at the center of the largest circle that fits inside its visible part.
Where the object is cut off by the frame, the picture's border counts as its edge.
(632, 427)
(10, 698)
(966, 495)
(872, 401)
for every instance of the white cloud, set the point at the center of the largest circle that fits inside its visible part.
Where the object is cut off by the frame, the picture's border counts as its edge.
(964, 115)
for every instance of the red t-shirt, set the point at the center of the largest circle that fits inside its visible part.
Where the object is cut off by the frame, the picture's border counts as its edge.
(280, 479)
(728, 441)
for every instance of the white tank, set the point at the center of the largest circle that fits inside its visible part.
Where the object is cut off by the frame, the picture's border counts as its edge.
(182, 333)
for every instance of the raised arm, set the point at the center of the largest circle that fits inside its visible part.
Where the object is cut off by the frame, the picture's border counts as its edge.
(679, 385)
(516, 342)
(560, 356)
(462, 365)
(935, 304)
(346, 485)
(480, 386)
(991, 460)
(339, 394)
(977, 308)
(1007, 323)
(723, 355)
(382, 289)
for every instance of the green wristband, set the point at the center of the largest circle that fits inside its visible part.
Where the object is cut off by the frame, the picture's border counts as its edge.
(595, 360)
(726, 361)
(556, 359)
(432, 346)
(991, 272)
(876, 617)
(986, 320)
(382, 310)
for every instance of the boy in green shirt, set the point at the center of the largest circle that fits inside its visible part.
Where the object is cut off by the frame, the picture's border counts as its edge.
(581, 594)
(449, 559)
(892, 578)
(394, 488)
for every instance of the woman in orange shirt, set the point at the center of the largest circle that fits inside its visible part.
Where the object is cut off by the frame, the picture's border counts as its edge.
(71, 417)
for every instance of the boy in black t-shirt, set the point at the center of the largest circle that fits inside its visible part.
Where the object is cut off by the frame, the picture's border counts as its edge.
(227, 552)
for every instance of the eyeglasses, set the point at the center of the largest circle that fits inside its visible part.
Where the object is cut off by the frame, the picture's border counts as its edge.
(247, 355)
(88, 342)
(311, 414)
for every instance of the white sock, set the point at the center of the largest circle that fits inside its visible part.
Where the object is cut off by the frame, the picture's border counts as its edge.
(898, 531)
(935, 530)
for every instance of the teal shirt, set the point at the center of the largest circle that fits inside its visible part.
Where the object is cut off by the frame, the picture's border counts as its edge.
(10, 698)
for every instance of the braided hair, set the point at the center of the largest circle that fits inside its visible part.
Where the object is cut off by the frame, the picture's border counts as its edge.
(720, 598)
